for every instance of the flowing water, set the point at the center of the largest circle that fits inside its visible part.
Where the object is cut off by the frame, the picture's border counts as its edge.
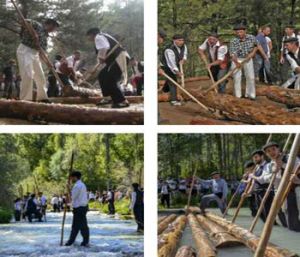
(108, 238)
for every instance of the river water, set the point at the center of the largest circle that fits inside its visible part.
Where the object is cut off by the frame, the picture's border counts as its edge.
(108, 238)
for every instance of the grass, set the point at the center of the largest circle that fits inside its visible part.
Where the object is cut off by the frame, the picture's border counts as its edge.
(5, 215)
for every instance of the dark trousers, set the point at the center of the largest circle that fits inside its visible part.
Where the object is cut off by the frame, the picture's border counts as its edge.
(140, 86)
(109, 78)
(111, 207)
(56, 208)
(165, 199)
(36, 214)
(53, 90)
(138, 211)
(253, 205)
(9, 88)
(80, 224)
(169, 86)
(259, 196)
(17, 215)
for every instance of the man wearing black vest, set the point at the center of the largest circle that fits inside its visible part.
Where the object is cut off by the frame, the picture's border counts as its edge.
(173, 56)
(293, 58)
(137, 205)
(114, 60)
(217, 55)
(111, 202)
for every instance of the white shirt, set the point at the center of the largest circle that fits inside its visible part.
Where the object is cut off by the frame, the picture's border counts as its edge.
(222, 50)
(292, 62)
(164, 190)
(18, 206)
(71, 63)
(171, 58)
(133, 200)
(54, 200)
(43, 200)
(102, 44)
(269, 40)
(109, 195)
(79, 195)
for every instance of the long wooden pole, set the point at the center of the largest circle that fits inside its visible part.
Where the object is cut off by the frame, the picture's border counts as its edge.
(191, 189)
(42, 52)
(67, 199)
(210, 74)
(247, 190)
(276, 205)
(269, 189)
(185, 91)
(182, 75)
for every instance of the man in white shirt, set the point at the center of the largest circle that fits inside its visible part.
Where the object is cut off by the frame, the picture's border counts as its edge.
(137, 206)
(173, 56)
(113, 75)
(165, 194)
(215, 55)
(80, 208)
(43, 204)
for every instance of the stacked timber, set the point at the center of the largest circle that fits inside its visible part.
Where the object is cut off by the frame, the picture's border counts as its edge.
(186, 251)
(165, 223)
(249, 239)
(192, 209)
(221, 237)
(160, 219)
(204, 245)
(168, 241)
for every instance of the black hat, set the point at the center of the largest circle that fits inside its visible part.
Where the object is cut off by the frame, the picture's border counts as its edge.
(270, 144)
(93, 31)
(239, 27)
(215, 173)
(291, 40)
(135, 185)
(248, 164)
(178, 36)
(162, 33)
(259, 152)
(52, 22)
(76, 174)
(214, 34)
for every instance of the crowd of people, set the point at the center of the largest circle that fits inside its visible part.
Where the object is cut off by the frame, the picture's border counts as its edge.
(245, 54)
(119, 75)
(258, 171)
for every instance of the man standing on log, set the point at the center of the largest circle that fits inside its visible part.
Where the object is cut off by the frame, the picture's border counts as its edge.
(289, 215)
(114, 60)
(219, 192)
(173, 56)
(137, 205)
(260, 185)
(242, 47)
(80, 209)
(217, 54)
(29, 60)
(293, 59)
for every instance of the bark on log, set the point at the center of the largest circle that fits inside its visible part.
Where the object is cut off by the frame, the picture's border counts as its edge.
(205, 246)
(192, 209)
(186, 251)
(67, 114)
(171, 239)
(208, 121)
(289, 97)
(248, 111)
(221, 237)
(160, 219)
(92, 100)
(80, 91)
(165, 223)
(249, 239)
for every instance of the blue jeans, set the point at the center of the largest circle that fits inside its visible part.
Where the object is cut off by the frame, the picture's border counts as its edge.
(260, 63)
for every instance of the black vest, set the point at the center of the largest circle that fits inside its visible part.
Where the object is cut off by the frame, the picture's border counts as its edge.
(178, 55)
(297, 59)
(112, 199)
(112, 42)
(139, 198)
(258, 173)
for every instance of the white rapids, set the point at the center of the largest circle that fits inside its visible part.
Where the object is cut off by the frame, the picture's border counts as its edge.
(109, 237)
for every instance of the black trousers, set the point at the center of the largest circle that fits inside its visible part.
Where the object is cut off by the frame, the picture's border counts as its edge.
(138, 211)
(53, 90)
(80, 224)
(165, 199)
(169, 86)
(17, 215)
(259, 196)
(109, 78)
(36, 214)
(111, 208)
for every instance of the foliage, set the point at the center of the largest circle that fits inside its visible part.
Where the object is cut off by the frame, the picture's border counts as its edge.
(121, 207)
(5, 216)
(195, 19)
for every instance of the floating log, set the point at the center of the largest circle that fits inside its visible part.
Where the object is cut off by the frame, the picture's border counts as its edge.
(289, 97)
(91, 100)
(160, 219)
(249, 239)
(69, 114)
(221, 237)
(205, 246)
(169, 241)
(165, 223)
(186, 251)
(248, 111)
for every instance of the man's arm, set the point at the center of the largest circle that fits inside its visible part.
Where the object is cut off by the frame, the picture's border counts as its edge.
(294, 65)
(171, 62)
(262, 52)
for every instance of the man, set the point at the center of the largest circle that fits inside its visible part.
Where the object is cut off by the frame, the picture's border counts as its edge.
(293, 59)
(217, 62)
(10, 77)
(80, 208)
(32, 209)
(219, 192)
(244, 46)
(137, 205)
(262, 63)
(137, 77)
(55, 203)
(111, 201)
(114, 60)
(18, 209)
(290, 214)
(53, 88)
(260, 185)
(284, 71)
(29, 60)
(43, 204)
(165, 194)
(173, 56)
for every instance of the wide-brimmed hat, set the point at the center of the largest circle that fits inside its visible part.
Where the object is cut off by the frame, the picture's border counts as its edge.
(270, 144)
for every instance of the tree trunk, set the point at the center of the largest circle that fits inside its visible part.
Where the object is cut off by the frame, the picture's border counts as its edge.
(186, 251)
(67, 114)
(107, 158)
(165, 223)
